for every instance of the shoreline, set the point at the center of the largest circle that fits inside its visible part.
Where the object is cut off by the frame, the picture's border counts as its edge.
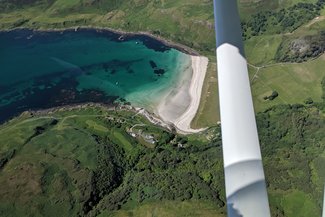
(182, 48)
(166, 108)
(186, 95)
(152, 118)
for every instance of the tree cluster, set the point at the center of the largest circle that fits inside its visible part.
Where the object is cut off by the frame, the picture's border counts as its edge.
(281, 21)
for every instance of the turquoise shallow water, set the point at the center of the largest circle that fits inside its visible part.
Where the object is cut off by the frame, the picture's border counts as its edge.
(46, 69)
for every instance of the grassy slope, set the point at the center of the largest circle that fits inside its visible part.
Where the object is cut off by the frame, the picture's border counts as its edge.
(294, 81)
(294, 186)
(170, 19)
(54, 173)
(169, 209)
(208, 112)
(251, 6)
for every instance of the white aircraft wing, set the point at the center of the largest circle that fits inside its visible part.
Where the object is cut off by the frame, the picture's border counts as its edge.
(244, 175)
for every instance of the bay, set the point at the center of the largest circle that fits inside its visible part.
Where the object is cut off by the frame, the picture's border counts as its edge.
(46, 69)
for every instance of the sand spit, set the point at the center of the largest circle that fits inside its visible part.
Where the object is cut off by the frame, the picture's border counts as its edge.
(189, 93)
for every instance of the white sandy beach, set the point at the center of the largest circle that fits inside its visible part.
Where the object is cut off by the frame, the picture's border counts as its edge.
(188, 94)
(178, 104)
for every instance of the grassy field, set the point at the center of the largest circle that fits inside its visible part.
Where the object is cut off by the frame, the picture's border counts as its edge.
(248, 7)
(169, 209)
(295, 82)
(296, 203)
(208, 112)
(261, 50)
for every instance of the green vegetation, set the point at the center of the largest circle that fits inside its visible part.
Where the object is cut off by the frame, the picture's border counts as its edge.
(84, 161)
(273, 95)
(287, 60)
(301, 49)
(208, 112)
(291, 150)
(249, 7)
(294, 82)
(168, 209)
(187, 22)
(281, 21)
(323, 88)
(261, 50)
(87, 162)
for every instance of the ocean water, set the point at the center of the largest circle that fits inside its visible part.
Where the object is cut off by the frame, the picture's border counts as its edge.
(46, 69)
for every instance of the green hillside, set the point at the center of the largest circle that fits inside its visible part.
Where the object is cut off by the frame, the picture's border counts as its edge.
(86, 162)
(81, 162)
(189, 22)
